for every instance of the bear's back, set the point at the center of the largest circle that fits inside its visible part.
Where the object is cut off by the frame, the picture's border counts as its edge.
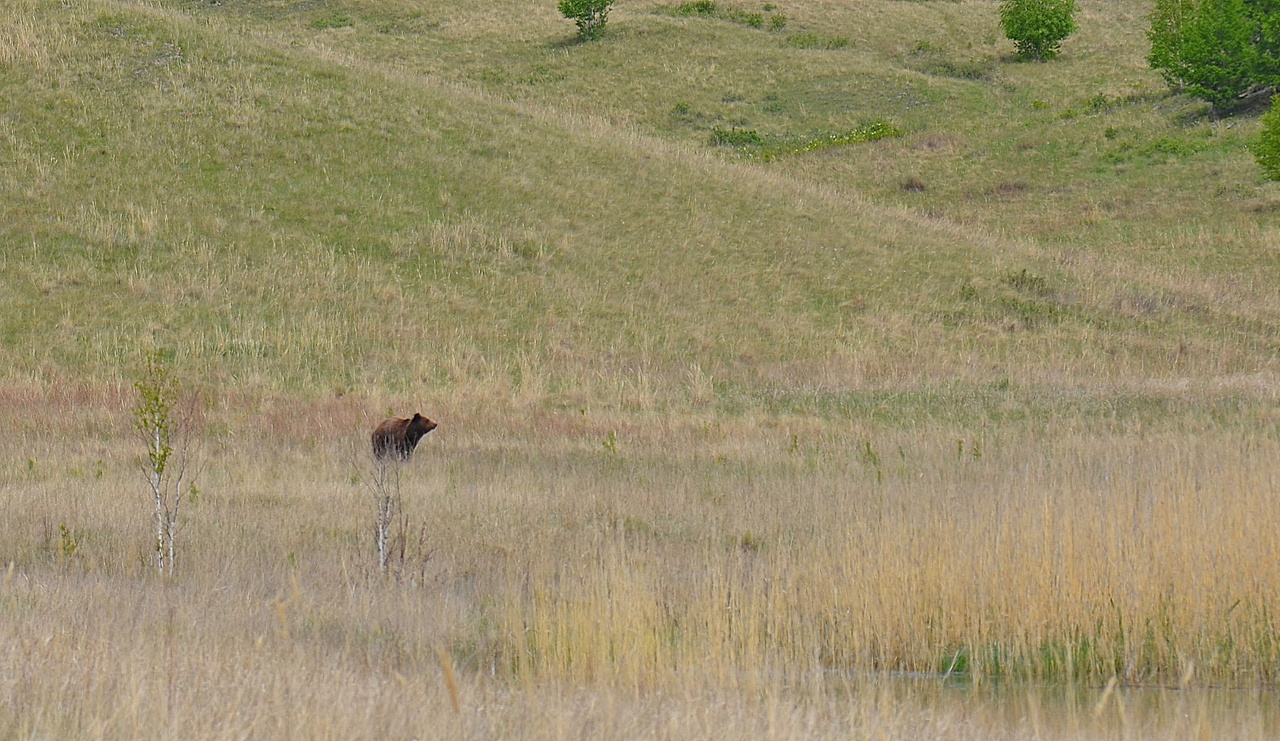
(389, 438)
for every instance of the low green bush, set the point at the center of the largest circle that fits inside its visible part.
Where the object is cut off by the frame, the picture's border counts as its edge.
(1037, 27)
(589, 15)
(736, 138)
(705, 8)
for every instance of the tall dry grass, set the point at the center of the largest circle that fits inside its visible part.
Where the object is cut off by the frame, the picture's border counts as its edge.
(592, 575)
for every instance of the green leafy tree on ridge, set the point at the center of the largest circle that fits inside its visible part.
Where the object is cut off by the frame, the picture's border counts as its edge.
(1037, 27)
(1221, 51)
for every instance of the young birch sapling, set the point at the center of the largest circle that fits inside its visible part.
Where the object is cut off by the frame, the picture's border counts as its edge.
(166, 422)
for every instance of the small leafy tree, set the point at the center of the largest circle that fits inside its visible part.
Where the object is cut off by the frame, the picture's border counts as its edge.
(589, 15)
(1266, 150)
(1168, 20)
(1221, 51)
(166, 422)
(1037, 27)
(1217, 53)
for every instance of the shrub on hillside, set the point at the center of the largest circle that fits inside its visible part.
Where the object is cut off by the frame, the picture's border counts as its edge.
(1266, 150)
(736, 137)
(1168, 18)
(1037, 27)
(589, 15)
(704, 8)
(1267, 42)
(1221, 51)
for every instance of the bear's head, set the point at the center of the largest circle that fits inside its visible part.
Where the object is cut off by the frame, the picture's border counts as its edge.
(419, 426)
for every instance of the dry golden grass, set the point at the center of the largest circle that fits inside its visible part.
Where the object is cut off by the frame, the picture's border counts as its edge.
(25, 40)
(595, 575)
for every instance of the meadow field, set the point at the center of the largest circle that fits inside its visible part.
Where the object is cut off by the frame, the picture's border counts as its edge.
(751, 425)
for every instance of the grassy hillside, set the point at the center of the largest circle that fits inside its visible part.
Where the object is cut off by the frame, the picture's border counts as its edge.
(411, 197)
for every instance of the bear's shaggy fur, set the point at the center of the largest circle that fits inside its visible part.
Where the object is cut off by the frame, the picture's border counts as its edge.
(396, 438)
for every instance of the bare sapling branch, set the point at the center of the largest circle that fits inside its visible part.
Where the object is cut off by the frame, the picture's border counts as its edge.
(387, 499)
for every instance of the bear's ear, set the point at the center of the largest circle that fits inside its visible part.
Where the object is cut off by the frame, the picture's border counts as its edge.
(416, 416)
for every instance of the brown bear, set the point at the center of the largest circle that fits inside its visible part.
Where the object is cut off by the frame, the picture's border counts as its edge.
(396, 438)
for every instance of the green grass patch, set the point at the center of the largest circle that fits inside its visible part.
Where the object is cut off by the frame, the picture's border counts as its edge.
(769, 147)
(814, 41)
(865, 133)
(731, 13)
(332, 20)
(737, 138)
(702, 8)
(931, 59)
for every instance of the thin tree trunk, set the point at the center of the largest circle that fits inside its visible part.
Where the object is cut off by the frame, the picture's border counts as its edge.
(170, 535)
(387, 484)
(156, 489)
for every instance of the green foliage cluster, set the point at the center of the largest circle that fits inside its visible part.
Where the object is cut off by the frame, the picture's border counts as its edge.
(1221, 51)
(867, 133)
(1037, 27)
(1266, 150)
(589, 15)
(710, 9)
(770, 148)
(157, 391)
(153, 417)
(332, 20)
(736, 137)
(814, 41)
(1160, 149)
(704, 8)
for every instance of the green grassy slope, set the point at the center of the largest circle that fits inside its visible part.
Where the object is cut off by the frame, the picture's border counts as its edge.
(409, 196)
